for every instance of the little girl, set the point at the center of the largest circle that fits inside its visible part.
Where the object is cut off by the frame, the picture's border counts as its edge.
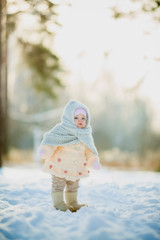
(69, 150)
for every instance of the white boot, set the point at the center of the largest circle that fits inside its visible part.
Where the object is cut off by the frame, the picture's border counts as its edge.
(71, 200)
(58, 203)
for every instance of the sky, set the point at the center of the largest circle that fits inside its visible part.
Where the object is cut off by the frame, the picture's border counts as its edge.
(92, 43)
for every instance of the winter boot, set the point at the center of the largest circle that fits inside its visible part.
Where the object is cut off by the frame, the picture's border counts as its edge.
(58, 203)
(71, 200)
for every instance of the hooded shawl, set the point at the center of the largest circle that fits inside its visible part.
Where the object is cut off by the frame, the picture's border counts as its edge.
(66, 132)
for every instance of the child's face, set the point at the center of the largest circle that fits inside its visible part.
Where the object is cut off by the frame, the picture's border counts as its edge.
(80, 121)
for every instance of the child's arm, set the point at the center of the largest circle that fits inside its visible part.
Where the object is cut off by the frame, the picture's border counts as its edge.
(92, 159)
(45, 151)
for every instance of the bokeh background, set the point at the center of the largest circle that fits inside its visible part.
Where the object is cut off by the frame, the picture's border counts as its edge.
(105, 54)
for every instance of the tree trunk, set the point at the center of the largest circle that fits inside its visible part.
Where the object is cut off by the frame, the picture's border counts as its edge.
(3, 80)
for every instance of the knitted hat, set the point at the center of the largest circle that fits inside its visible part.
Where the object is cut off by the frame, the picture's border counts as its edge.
(80, 111)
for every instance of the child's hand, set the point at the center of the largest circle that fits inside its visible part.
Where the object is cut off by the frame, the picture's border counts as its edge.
(96, 165)
(42, 152)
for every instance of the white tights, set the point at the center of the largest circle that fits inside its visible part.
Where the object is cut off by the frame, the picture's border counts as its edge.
(58, 184)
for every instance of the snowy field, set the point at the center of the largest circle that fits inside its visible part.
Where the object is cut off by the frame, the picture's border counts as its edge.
(122, 206)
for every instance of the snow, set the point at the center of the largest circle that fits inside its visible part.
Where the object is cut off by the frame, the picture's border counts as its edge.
(121, 206)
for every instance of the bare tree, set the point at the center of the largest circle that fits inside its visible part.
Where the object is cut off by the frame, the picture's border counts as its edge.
(3, 80)
(38, 55)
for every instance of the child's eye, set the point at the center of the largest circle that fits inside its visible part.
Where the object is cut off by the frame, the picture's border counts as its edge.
(75, 118)
(83, 118)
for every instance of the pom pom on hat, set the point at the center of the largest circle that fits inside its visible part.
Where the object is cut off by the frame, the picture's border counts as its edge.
(80, 111)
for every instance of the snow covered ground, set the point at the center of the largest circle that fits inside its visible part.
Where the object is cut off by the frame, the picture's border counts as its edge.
(122, 206)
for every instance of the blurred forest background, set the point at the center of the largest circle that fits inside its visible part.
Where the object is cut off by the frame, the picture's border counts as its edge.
(103, 53)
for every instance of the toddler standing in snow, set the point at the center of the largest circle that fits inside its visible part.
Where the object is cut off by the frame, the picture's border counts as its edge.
(68, 150)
